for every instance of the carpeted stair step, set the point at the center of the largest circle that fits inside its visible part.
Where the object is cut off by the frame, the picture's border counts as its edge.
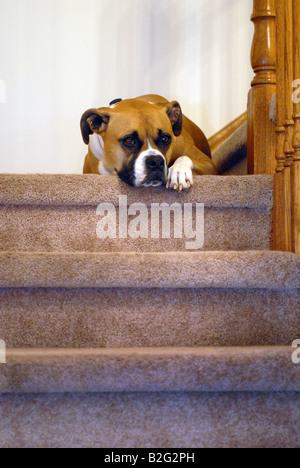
(58, 213)
(251, 269)
(139, 342)
(148, 299)
(163, 398)
(184, 420)
(199, 369)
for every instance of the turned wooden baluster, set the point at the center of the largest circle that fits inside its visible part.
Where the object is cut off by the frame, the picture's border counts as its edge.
(282, 220)
(295, 168)
(261, 130)
(278, 233)
(289, 122)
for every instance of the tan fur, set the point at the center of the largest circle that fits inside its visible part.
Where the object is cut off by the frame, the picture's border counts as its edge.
(140, 114)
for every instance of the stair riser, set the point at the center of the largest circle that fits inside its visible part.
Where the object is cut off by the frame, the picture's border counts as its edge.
(191, 420)
(147, 317)
(71, 228)
(192, 369)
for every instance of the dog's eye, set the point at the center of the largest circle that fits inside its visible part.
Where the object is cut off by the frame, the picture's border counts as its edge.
(165, 139)
(129, 141)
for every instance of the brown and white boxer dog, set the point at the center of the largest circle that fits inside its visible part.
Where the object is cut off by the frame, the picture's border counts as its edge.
(146, 141)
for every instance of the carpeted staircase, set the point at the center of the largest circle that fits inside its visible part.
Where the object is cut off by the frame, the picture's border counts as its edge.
(140, 342)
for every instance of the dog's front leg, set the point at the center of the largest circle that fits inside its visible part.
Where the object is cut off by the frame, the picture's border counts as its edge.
(180, 175)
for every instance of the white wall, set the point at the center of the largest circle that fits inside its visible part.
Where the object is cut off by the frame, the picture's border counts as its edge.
(60, 57)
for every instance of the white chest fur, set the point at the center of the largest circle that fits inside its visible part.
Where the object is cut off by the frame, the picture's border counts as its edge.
(96, 145)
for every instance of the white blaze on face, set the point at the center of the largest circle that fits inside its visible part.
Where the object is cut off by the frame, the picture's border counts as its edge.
(140, 171)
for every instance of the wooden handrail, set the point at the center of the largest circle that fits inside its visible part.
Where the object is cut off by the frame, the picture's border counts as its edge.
(218, 138)
(274, 148)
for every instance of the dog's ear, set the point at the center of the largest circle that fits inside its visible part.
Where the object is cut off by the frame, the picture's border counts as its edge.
(93, 121)
(175, 115)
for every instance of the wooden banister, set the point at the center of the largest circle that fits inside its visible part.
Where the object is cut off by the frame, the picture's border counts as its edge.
(218, 138)
(288, 122)
(295, 168)
(275, 148)
(282, 227)
(278, 234)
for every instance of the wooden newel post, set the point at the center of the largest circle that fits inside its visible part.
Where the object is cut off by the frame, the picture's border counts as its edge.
(261, 130)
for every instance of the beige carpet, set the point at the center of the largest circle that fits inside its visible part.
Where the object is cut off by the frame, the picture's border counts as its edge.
(58, 213)
(140, 342)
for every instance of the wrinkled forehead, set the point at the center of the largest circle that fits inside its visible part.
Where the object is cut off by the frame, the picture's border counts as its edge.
(147, 122)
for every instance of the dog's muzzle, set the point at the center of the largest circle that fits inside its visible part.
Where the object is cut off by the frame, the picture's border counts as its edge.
(156, 170)
(149, 169)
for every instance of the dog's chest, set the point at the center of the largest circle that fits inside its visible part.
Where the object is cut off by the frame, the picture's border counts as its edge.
(97, 147)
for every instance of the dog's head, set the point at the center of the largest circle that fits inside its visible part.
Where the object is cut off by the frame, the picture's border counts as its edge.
(138, 138)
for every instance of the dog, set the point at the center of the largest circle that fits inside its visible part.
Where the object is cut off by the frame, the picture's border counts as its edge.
(146, 141)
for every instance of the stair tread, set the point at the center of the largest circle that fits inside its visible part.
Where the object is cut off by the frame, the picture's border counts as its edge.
(201, 369)
(231, 269)
(59, 213)
(90, 190)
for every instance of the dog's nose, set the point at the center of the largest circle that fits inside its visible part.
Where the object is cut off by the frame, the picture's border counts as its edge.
(155, 162)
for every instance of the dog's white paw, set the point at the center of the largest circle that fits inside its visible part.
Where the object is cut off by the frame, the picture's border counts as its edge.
(180, 176)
